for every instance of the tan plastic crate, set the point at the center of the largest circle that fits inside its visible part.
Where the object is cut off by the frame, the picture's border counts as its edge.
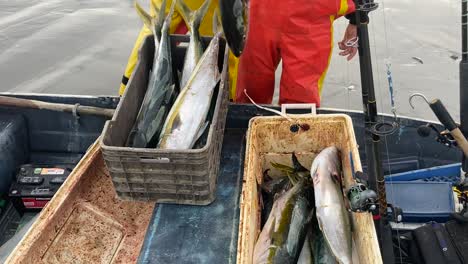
(85, 222)
(270, 139)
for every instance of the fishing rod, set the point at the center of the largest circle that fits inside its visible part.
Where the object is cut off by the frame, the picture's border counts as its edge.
(76, 109)
(464, 81)
(376, 179)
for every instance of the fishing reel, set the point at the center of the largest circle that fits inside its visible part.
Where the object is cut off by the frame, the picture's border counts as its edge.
(361, 199)
(366, 5)
(443, 137)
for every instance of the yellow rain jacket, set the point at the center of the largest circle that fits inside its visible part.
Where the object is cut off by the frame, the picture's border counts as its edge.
(206, 29)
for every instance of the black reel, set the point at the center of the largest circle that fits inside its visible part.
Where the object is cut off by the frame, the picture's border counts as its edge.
(443, 137)
(367, 5)
(361, 199)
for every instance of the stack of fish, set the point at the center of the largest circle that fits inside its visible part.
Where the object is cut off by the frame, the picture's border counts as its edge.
(306, 217)
(169, 119)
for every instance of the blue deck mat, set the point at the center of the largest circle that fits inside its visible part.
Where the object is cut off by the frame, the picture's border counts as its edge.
(201, 234)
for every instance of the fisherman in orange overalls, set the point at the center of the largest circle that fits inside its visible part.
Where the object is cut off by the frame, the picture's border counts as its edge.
(300, 32)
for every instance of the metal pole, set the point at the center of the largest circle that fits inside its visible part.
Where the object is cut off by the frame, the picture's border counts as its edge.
(375, 171)
(464, 80)
(464, 21)
(372, 141)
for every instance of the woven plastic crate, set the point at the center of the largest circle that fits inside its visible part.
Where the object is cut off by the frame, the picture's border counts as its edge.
(271, 139)
(164, 176)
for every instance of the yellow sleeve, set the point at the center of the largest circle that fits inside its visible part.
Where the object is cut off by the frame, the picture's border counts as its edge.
(132, 60)
(233, 63)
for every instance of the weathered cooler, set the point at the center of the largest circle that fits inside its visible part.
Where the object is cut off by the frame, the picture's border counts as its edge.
(274, 139)
(164, 176)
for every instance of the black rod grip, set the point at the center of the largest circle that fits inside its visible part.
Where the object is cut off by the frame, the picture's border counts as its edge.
(464, 97)
(442, 114)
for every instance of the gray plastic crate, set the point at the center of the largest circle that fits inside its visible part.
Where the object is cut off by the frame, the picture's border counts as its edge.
(164, 176)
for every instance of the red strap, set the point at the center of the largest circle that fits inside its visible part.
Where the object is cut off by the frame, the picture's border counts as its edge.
(181, 28)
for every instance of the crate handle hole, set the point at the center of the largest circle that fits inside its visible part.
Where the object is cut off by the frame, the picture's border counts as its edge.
(155, 160)
(286, 107)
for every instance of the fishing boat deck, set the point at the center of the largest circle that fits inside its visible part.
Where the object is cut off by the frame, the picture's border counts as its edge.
(208, 234)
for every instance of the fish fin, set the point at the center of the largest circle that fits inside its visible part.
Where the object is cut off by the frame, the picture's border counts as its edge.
(185, 12)
(154, 9)
(297, 165)
(217, 25)
(159, 21)
(193, 18)
(167, 20)
(145, 17)
(291, 178)
(200, 14)
(282, 167)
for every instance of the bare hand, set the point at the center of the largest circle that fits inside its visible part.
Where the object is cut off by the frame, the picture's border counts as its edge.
(350, 37)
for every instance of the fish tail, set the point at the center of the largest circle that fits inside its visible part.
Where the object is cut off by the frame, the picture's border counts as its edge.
(155, 10)
(297, 165)
(200, 14)
(167, 20)
(217, 25)
(193, 18)
(161, 13)
(185, 12)
(145, 17)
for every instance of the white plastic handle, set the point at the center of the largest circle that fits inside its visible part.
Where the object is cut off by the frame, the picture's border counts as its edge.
(312, 107)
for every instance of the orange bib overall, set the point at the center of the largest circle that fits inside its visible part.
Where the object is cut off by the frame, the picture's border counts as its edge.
(300, 32)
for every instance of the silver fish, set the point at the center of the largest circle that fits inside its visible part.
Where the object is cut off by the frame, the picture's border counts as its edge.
(332, 216)
(195, 48)
(186, 120)
(322, 252)
(155, 24)
(283, 235)
(307, 253)
(315, 249)
(159, 95)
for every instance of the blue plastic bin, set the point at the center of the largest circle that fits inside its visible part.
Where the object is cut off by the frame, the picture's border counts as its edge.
(422, 201)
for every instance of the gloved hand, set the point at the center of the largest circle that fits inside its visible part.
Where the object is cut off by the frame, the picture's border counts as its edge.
(349, 43)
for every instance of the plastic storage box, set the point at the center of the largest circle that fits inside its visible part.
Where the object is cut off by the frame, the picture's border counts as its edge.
(164, 176)
(422, 201)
